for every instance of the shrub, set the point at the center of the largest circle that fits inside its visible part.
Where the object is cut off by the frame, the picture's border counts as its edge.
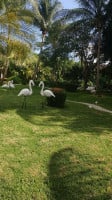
(16, 79)
(59, 100)
(70, 86)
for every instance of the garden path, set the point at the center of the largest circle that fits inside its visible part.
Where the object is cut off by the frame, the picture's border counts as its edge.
(90, 105)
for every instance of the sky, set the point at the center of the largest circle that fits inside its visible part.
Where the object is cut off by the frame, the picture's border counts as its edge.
(69, 3)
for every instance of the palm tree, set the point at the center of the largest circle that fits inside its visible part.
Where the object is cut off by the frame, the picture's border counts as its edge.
(10, 27)
(92, 11)
(44, 12)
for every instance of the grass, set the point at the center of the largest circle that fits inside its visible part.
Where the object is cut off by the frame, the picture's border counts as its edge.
(55, 154)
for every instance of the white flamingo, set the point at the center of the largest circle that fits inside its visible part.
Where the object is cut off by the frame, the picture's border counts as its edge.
(11, 84)
(45, 93)
(26, 92)
(91, 89)
(6, 85)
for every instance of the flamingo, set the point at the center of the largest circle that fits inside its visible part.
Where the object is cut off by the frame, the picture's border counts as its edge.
(91, 89)
(11, 84)
(26, 92)
(45, 93)
(6, 85)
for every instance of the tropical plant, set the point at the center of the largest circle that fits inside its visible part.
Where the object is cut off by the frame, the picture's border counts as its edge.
(92, 12)
(11, 18)
(75, 40)
(44, 12)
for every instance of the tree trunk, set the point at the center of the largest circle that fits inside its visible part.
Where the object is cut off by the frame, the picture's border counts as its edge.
(85, 71)
(43, 38)
(6, 69)
(98, 62)
(36, 70)
(85, 75)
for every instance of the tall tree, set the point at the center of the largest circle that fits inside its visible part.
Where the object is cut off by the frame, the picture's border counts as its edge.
(43, 15)
(44, 12)
(107, 33)
(11, 16)
(92, 11)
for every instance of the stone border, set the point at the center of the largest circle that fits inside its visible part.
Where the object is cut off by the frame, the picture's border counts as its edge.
(96, 107)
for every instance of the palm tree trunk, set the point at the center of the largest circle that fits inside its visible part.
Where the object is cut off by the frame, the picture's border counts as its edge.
(42, 43)
(36, 70)
(85, 71)
(85, 75)
(98, 62)
(43, 38)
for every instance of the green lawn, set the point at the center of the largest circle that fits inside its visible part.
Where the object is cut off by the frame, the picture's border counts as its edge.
(55, 154)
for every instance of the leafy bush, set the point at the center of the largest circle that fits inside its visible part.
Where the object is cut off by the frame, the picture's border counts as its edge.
(16, 79)
(59, 100)
(70, 86)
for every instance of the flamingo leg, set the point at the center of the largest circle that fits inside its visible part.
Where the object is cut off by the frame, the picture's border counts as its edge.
(44, 103)
(24, 103)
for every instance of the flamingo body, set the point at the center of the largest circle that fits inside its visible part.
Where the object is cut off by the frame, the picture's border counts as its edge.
(46, 93)
(26, 92)
(91, 89)
(6, 85)
(11, 84)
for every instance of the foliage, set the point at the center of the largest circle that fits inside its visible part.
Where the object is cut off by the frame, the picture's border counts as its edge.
(44, 12)
(18, 51)
(106, 78)
(107, 33)
(74, 73)
(45, 73)
(12, 32)
(65, 33)
(93, 13)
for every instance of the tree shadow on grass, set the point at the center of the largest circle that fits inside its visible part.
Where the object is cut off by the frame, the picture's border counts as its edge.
(74, 117)
(77, 119)
(78, 176)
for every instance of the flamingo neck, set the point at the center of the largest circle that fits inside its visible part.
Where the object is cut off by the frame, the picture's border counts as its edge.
(30, 86)
(42, 89)
(8, 83)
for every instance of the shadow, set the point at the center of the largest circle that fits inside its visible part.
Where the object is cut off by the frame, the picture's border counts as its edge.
(77, 176)
(73, 117)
